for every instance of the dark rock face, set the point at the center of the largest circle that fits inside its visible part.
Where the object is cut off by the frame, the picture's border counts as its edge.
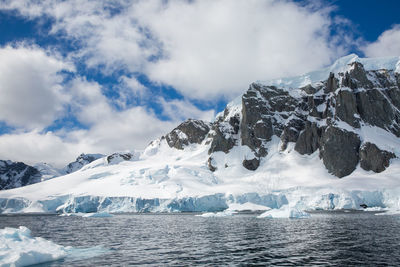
(309, 139)
(188, 132)
(309, 89)
(375, 108)
(118, 157)
(221, 141)
(263, 110)
(374, 159)
(251, 164)
(339, 151)
(224, 133)
(291, 131)
(346, 108)
(17, 174)
(211, 164)
(331, 83)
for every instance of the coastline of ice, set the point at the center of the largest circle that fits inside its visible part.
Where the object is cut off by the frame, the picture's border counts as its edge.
(305, 198)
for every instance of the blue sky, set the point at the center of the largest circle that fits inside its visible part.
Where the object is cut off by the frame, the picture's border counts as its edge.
(102, 76)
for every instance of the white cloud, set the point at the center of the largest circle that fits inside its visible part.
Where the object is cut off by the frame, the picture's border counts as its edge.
(204, 49)
(387, 44)
(115, 131)
(30, 86)
(214, 48)
(32, 147)
(109, 130)
(179, 110)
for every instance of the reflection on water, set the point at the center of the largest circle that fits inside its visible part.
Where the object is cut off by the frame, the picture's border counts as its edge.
(132, 239)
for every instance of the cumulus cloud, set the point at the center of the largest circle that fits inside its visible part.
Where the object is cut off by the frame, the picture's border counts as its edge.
(32, 147)
(213, 48)
(204, 49)
(388, 44)
(107, 129)
(179, 110)
(30, 86)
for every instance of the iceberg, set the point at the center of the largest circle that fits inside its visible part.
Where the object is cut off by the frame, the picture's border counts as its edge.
(285, 212)
(88, 215)
(224, 213)
(19, 248)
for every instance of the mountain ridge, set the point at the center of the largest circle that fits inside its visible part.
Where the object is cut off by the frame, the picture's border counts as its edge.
(323, 118)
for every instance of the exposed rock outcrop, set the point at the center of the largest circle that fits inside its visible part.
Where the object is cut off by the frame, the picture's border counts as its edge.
(309, 139)
(264, 109)
(339, 151)
(251, 164)
(374, 159)
(346, 107)
(188, 132)
(118, 157)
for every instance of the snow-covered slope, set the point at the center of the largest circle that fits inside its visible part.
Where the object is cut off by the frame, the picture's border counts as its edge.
(47, 171)
(274, 147)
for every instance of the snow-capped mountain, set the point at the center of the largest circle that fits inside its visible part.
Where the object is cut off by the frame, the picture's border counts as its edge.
(283, 142)
(81, 160)
(17, 174)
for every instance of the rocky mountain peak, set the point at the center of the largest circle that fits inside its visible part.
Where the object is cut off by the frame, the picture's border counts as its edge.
(326, 115)
(188, 132)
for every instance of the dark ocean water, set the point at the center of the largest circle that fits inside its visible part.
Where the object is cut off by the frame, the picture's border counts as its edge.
(355, 239)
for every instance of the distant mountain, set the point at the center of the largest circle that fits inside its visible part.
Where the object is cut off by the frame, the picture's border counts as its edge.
(283, 142)
(81, 160)
(17, 174)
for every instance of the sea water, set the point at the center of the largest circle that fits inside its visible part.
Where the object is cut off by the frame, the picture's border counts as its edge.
(354, 238)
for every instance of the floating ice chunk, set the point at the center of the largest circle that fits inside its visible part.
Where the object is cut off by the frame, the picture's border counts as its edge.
(390, 212)
(88, 215)
(247, 206)
(375, 209)
(19, 248)
(285, 212)
(224, 213)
